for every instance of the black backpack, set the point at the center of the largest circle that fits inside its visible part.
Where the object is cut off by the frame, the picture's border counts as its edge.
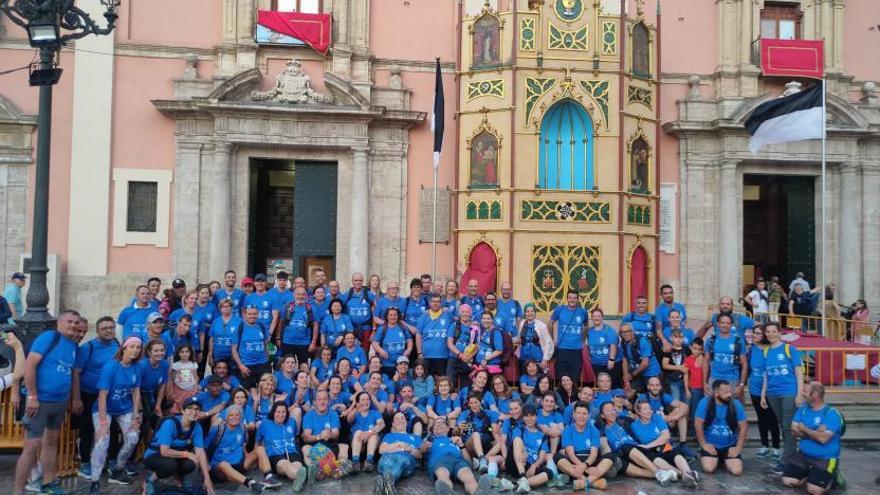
(179, 433)
(215, 442)
(241, 330)
(732, 423)
(737, 350)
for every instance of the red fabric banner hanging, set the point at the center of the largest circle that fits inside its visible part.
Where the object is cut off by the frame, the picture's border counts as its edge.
(314, 29)
(483, 267)
(795, 58)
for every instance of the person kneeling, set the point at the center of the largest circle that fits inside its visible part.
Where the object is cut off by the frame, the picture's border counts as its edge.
(580, 458)
(177, 449)
(818, 427)
(226, 451)
(720, 425)
(400, 453)
(276, 437)
(445, 459)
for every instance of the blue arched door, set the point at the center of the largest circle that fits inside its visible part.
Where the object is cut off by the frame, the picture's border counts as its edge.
(566, 150)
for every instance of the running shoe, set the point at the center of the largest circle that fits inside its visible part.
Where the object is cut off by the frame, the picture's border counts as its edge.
(522, 486)
(484, 485)
(53, 488)
(378, 486)
(119, 477)
(763, 453)
(388, 483)
(270, 481)
(300, 481)
(85, 471)
(442, 488)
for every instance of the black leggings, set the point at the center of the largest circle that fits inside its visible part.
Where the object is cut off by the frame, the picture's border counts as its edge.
(166, 467)
(767, 423)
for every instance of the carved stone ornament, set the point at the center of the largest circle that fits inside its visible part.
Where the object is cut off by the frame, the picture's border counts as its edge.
(292, 86)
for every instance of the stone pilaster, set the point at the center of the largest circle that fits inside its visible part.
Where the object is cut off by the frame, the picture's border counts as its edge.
(729, 265)
(360, 212)
(221, 200)
(850, 229)
(870, 268)
(187, 187)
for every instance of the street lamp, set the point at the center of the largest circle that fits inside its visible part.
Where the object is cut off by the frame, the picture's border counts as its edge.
(49, 24)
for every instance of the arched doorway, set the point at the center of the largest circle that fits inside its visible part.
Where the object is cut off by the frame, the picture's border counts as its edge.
(483, 267)
(638, 276)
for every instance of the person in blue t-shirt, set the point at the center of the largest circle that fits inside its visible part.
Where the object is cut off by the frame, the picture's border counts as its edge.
(391, 299)
(334, 326)
(567, 329)
(633, 458)
(226, 447)
(443, 405)
(666, 305)
(224, 328)
(178, 448)
(353, 352)
(782, 388)
(740, 324)
(282, 296)
(652, 434)
(676, 323)
(264, 302)
(250, 350)
(530, 455)
(366, 426)
(550, 421)
(727, 358)
(118, 400)
(213, 399)
(485, 425)
(431, 332)
(299, 328)
(230, 293)
(322, 368)
(400, 454)
(132, 320)
(643, 323)
(358, 306)
(673, 411)
(47, 380)
(413, 307)
(204, 313)
(491, 344)
(153, 369)
(639, 361)
(277, 435)
(447, 461)
(322, 425)
(818, 428)
(510, 312)
(720, 425)
(603, 342)
(196, 331)
(473, 299)
(580, 456)
(391, 341)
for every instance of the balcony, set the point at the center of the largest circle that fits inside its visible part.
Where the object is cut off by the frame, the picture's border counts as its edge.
(789, 58)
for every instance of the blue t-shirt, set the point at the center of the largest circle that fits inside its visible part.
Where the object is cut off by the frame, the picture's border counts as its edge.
(503, 405)
(529, 381)
(170, 436)
(491, 340)
(283, 385)
(663, 310)
(413, 310)
(298, 324)
(54, 373)
(544, 419)
(531, 343)
(365, 422)
(357, 357)
(642, 324)
(600, 340)
(385, 303)
(719, 433)
(686, 333)
(173, 341)
(315, 422)
(393, 341)
(442, 447)
(481, 421)
(282, 299)
(134, 322)
(724, 363)
(569, 326)
(756, 370)
(441, 406)
(647, 433)
(506, 315)
(477, 306)
(12, 293)
(209, 401)
(581, 441)
(301, 398)
(205, 316)
(658, 404)
(248, 417)
(265, 304)
(357, 306)
(152, 378)
(90, 360)
(230, 448)
(393, 437)
(781, 370)
(223, 334)
(320, 309)
(812, 419)
(119, 381)
(464, 393)
(741, 323)
(617, 437)
(194, 329)
(335, 328)
(451, 306)
(535, 442)
(277, 439)
(231, 380)
(252, 344)
(645, 351)
(237, 297)
(387, 383)
(323, 371)
(434, 332)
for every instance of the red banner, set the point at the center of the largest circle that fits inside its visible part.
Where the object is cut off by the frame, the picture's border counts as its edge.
(796, 58)
(314, 29)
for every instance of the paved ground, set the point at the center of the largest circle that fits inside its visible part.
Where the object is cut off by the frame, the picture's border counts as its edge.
(861, 464)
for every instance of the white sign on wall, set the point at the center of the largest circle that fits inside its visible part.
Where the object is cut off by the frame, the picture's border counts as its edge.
(667, 217)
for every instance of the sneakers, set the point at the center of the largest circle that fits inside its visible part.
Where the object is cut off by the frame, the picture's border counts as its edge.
(368, 467)
(312, 474)
(119, 477)
(664, 477)
(502, 485)
(778, 469)
(356, 468)
(475, 464)
(522, 485)
(300, 481)
(615, 469)
(53, 488)
(483, 466)
(388, 484)
(270, 481)
(763, 453)
(442, 488)
(776, 454)
(484, 485)
(94, 487)
(599, 484)
(85, 471)
(33, 486)
(256, 486)
(378, 486)
(689, 478)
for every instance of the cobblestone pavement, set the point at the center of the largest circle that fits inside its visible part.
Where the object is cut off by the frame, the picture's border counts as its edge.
(860, 466)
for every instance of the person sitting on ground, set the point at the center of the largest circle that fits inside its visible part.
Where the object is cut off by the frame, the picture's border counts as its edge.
(276, 438)
(720, 425)
(213, 400)
(416, 418)
(550, 421)
(400, 453)
(226, 452)
(673, 411)
(585, 396)
(446, 459)
(531, 453)
(321, 426)
(443, 405)
(579, 457)
(221, 369)
(484, 428)
(621, 444)
(650, 430)
(818, 428)
(366, 426)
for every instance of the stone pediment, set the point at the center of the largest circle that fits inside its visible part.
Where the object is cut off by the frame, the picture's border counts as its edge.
(841, 114)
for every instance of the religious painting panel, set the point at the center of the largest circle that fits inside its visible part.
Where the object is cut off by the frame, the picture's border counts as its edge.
(641, 51)
(484, 160)
(486, 42)
(638, 171)
(558, 269)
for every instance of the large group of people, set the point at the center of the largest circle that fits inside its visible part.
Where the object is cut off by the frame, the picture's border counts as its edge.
(253, 385)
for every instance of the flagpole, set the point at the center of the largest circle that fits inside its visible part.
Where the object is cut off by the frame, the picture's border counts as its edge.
(824, 210)
(434, 231)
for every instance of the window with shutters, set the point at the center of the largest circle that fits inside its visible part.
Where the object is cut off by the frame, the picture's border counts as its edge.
(142, 197)
(141, 206)
(780, 21)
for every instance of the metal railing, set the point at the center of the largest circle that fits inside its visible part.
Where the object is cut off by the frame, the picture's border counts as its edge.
(12, 436)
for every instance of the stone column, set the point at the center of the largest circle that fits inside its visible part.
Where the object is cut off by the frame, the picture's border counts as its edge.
(850, 239)
(360, 214)
(185, 230)
(221, 200)
(729, 266)
(870, 269)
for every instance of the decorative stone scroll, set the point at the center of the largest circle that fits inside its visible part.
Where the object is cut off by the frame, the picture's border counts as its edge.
(293, 85)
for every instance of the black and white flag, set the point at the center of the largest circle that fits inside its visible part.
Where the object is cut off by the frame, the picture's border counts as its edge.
(794, 117)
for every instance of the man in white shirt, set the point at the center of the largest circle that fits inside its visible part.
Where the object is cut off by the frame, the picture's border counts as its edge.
(759, 299)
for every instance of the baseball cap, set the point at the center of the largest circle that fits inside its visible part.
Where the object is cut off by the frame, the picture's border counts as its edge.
(178, 283)
(247, 281)
(19, 276)
(530, 410)
(617, 392)
(214, 379)
(192, 401)
(260, 277)
(282, 275)
(403, 359)
(154, 317)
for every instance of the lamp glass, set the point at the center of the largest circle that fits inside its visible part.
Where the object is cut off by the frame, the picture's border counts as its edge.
(43, 34)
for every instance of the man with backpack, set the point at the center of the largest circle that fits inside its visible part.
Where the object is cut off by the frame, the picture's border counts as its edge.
(740, 324)
(250, 349)
(90, 360)
(818, 427)
(727, 357)
(177, 449)
(358, 303)
(720, 425)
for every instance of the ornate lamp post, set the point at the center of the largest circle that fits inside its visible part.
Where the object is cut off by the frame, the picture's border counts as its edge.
(49, 24)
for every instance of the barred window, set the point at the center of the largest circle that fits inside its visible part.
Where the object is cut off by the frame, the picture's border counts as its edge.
(305, 6)
(142, 199)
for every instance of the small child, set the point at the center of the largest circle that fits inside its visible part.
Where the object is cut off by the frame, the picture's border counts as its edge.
(673, 364)
(184, 378)
(694, 365)
(528, 381)
(422, 381)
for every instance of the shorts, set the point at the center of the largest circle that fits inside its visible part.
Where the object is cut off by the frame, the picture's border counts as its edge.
(451, 463)
(257, 370)
(659, 453)
(818, 472)
(512, 470)
(723, 454)
(560, 456)
(275, 459)
(623, 455)
(436, 367)
(50, 415)
(218, 477)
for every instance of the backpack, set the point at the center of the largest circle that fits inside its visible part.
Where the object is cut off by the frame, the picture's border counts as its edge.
(787, 354)
(737, 350)
(366, 297)
(825, 412)
(631, 350)
(241, 329)
(382, 331)
(732, 423)
(179, 433)
(656, 345)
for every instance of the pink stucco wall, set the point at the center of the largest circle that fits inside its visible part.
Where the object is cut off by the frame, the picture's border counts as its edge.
(189, 23)
(414, 30)
(861, 39)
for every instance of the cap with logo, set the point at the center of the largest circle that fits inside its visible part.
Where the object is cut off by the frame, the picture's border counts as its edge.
(191, 402)
(247, 281)
(153, 317)
(178, 283)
